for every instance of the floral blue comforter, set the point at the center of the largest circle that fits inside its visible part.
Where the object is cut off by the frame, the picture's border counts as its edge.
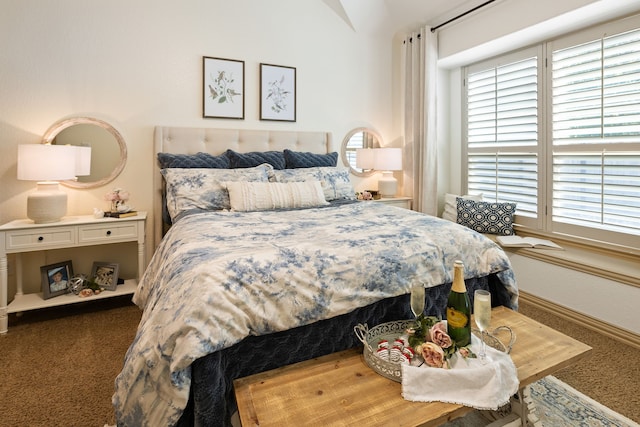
(218, 277)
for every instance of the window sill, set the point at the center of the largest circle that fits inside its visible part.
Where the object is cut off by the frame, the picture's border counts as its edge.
(609, 263)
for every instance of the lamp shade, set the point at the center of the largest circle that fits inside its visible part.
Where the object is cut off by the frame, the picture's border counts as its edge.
(388, 159)
(365, 158)
(42, 162)
(83, 160)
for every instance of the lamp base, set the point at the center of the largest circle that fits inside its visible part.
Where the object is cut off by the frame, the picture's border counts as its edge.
(387, 185)
(47, 204)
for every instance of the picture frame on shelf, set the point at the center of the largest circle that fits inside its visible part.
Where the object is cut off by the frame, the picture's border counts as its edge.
(277, 93)
(55, 278)
(105, 275)
(223, 88)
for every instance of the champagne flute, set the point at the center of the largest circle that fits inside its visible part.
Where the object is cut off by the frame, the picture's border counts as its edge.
(417, 299)
(482, 316)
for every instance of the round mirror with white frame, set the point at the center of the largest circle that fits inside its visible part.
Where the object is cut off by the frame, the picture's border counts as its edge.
(359, 138)
(108, 149)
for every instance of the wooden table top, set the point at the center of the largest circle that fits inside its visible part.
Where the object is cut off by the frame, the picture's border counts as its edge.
(340, 389)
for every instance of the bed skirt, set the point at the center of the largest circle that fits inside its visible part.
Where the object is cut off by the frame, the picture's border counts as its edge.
(212, 400)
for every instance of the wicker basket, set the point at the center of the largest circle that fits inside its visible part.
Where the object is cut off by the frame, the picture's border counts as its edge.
(391, 330)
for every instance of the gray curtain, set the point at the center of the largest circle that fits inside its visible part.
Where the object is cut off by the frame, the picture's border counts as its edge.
(420, 145)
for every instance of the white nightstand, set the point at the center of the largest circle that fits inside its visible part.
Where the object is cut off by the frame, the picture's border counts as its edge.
(401, 202)
(21, 236)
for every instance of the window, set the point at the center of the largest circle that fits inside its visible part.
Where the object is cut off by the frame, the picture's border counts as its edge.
(556, 129)
(503, 131)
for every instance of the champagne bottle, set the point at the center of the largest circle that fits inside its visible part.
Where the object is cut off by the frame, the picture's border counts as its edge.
(459, 308)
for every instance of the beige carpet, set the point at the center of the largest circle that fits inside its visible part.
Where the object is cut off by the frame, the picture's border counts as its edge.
(58, 369)
(610, 376)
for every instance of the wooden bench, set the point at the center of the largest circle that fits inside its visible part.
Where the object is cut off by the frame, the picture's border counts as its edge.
(340, 389)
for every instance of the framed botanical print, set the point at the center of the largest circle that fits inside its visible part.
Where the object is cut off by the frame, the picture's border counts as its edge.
(277, 93)
(223, 88)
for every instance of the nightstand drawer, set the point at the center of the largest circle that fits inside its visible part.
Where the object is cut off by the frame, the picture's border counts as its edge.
(105, 233)
(37, 240)
(401, 202)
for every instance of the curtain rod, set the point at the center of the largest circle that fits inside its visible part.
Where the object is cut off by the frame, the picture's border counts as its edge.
(461, 15)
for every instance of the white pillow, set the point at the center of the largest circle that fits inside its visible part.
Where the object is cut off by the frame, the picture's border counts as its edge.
(260, 196)
(451, 207)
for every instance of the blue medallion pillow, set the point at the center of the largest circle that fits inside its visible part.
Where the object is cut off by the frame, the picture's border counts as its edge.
(299, 159)
(193, 161)
(486, 217)
(256, 158)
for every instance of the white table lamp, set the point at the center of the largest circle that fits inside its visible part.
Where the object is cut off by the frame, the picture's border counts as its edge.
(388, 160)
(48, 164)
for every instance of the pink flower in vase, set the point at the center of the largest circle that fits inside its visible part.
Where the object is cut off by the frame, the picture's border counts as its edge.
(117, 197)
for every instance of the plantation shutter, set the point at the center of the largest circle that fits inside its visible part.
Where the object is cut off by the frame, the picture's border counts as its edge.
(596, 134)
(502, 133)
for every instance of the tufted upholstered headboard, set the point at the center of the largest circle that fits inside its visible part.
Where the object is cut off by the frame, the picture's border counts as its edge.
(186, 140)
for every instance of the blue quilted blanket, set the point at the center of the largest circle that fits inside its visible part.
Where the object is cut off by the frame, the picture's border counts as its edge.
(222, 279)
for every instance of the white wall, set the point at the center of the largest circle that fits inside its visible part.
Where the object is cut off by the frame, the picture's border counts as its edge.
(603, 299)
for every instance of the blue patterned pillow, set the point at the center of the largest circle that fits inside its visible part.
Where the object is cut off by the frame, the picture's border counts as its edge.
(256, 158)
(486, 217)
(191, 161)
(203, 189)
(299, 159)
(336, 183)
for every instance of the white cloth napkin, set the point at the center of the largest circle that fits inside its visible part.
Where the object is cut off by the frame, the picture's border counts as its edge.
(468, 382)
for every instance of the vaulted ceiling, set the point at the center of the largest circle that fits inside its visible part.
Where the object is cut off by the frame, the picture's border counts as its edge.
(398, 15)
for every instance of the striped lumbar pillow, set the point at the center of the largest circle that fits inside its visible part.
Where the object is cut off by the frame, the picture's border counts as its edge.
(260, 196)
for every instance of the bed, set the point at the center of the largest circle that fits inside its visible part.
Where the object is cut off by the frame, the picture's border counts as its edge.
(232, 292)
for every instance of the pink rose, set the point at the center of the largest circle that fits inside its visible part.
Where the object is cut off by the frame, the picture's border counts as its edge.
(439, 336)
(432, 355)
